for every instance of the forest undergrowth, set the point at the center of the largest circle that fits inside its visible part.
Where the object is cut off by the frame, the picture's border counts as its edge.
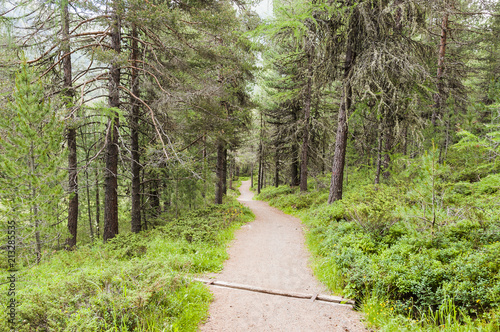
(134, 282)
(418, 253)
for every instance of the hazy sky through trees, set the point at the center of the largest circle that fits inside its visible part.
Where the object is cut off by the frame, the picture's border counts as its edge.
(264, 8)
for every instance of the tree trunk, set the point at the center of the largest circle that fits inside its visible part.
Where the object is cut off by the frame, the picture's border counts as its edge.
(111, 177)
(155, 198)
(277, 170)
(224, 172)
(379, 156)
(307, 115)
(341, 138)
(405, 143)
(97, 204)
(231, 171)
(388, 141)
(439, 96)
(294, 168)
(71, 132)
(259, 176)
(219, 188)
(263, 175)
(134, 124)
(89, 207)
(251, 176)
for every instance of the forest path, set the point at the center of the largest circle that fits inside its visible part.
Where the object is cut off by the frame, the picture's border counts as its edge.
(270, 252)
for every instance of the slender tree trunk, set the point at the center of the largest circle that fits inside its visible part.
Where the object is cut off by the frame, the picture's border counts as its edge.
(34, 207)
(71, 132)
(342, 128)
(231, 171)
(294, 169)
(379, 156)
(323, 156)
(263, 175)
(259, 177)
(405, 143)
(439, 96)
(155, 198)
(307, 115)
(111, 177)
(38, 250)
(134, 124)
(205, 172)
(224, 171)
(89, 208)
(97, 204)
(251, 176)
(143, 202)
(219, 188)
(388, 141)
(277, 169)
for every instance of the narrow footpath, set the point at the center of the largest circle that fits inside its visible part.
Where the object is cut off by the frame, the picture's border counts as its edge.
(270, 253)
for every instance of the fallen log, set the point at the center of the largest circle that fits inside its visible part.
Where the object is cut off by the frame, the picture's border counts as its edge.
(312, 297)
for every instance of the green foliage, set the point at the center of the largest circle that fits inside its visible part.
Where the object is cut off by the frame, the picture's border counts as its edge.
(205, 225)
(31, 158)
(374, 209)
(290, 199)
(379, 246)
(135, 282)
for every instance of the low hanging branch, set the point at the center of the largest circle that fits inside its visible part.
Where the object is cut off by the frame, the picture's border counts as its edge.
(152, 118)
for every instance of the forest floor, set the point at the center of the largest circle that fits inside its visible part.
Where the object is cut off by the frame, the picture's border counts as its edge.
(270, 253)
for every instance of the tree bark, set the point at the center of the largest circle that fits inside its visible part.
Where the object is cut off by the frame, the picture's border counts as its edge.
(439, 96)
(277, 169)
(97, 204)
(134, 124)
(388, 141)
(205, 173)
(224, 171)
(307, 115)
(259, 177)
(89, 207)
(251, 176)
(405, 143)
(154, 193)
(231, 171)
(71, 132)
(111, 177)
(294, 168)
(379, 156)
(342, 128)
(219, 188)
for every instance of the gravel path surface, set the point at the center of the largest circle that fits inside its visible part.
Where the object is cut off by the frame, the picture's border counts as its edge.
(270, 252)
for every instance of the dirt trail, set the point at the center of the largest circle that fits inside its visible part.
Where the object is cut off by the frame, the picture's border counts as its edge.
(270, 252)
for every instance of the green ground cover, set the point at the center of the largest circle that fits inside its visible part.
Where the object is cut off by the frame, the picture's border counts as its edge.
(135, 282)
(420, 253)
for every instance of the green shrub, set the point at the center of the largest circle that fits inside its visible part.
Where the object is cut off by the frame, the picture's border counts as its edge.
(488, 185)
(326, 213)
(374, 209)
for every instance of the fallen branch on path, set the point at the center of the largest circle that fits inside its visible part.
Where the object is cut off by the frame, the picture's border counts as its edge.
(312, 297)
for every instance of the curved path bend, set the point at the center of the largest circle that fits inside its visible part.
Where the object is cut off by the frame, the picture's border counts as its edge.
(270, 253)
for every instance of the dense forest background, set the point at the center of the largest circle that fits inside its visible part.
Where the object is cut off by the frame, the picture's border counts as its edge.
(131, 122)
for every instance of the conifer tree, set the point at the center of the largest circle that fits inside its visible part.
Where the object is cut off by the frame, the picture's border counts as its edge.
(31, 156)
